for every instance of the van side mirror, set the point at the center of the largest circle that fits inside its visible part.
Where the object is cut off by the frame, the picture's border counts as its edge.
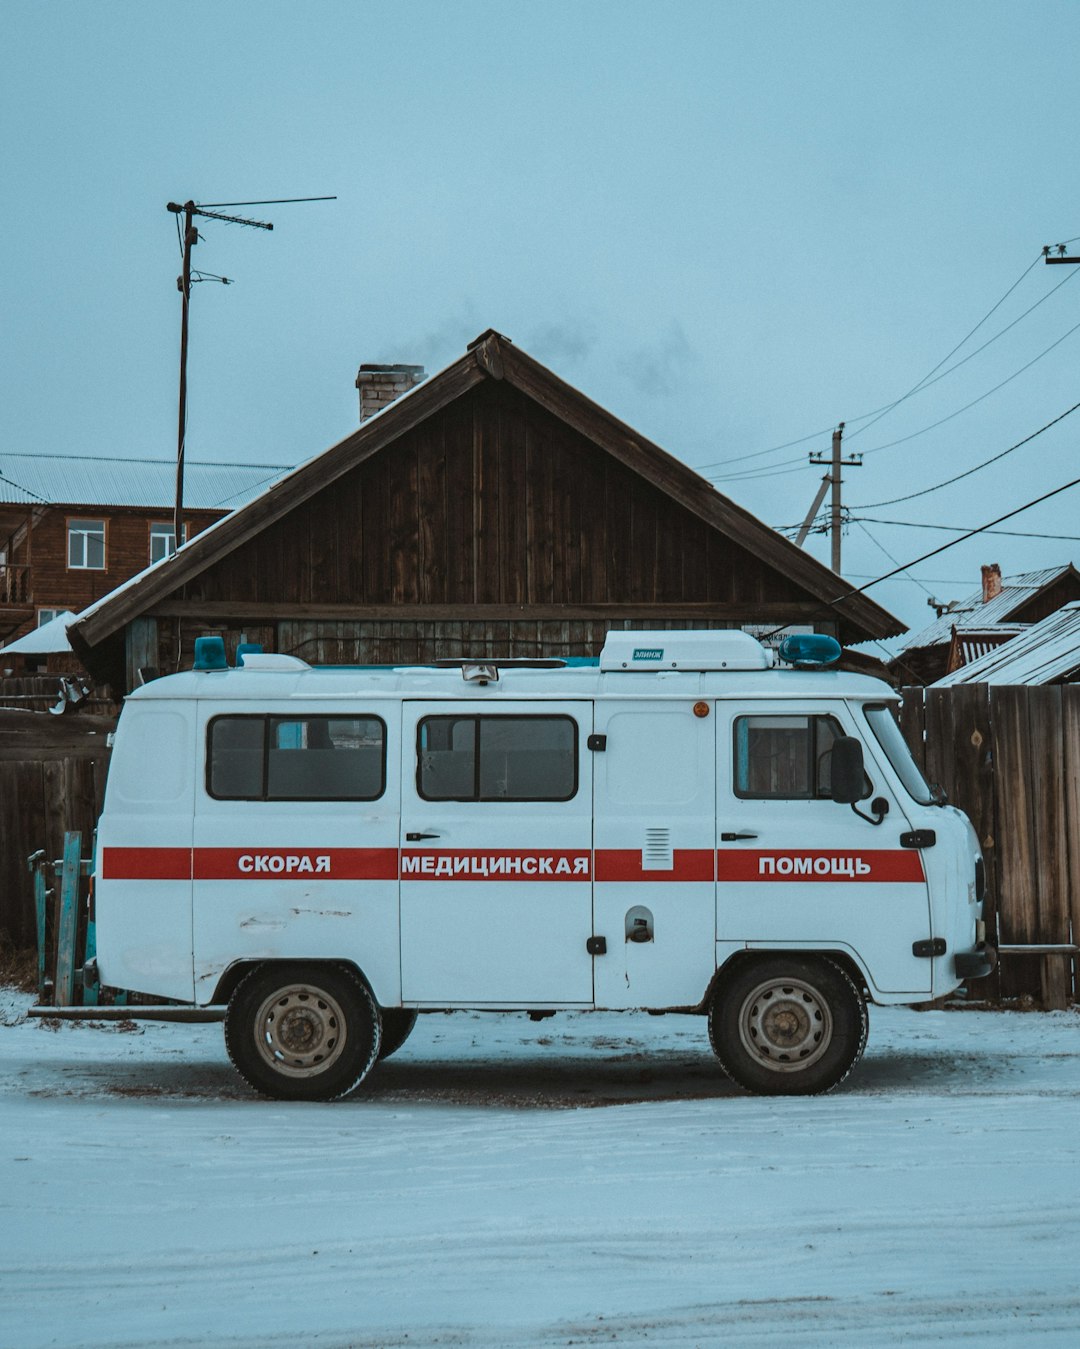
(847, 773)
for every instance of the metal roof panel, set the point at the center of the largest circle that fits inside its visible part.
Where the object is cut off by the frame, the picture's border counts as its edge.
(84, 480)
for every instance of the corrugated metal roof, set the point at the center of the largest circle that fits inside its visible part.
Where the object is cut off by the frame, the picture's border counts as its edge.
(972, 611)
(1042, 654)
(82, 480)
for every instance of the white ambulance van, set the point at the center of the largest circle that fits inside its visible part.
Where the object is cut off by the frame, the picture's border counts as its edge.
(318, 855)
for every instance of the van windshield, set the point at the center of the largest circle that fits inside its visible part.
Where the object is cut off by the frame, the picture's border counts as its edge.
(887, 733)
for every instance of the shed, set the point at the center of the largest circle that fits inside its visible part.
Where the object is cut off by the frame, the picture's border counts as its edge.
(489, 510)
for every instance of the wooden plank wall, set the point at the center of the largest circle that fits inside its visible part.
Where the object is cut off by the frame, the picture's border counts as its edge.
(492, 501)
(1009, 757)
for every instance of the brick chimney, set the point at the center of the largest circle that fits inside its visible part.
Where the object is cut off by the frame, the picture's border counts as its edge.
(379, 385)
(991, 582)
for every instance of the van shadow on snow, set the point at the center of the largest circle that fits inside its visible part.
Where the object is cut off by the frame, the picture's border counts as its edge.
(536, 1082)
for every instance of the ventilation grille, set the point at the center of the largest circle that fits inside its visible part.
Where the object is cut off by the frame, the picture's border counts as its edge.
(657, 854)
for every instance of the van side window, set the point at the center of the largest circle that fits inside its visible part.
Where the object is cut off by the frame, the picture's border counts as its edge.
(306, 758)
(493, 758)
(784, 757)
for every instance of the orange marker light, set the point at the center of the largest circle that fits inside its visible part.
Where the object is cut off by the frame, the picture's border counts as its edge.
(701, 709)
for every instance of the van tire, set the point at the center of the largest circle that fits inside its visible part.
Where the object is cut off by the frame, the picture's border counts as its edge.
(788, 1025)
(303, 1032)
(397, 1025)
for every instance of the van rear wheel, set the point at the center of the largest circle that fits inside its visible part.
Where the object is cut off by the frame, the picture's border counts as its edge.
(300, 1032)
(788, 1025)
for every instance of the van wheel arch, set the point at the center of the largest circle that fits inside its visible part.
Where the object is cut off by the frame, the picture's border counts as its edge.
(236, 974)
(740, 958)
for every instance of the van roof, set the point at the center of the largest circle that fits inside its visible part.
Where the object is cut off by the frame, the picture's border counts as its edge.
(573, 681)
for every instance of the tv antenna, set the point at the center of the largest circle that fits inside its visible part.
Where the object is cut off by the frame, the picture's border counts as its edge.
(189, 237)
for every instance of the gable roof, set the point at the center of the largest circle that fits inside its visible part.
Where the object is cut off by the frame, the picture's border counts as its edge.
(1042, 654)
(972, 613)
(91, 480)
(490, 356)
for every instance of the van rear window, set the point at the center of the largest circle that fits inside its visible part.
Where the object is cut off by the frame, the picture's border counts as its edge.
(303, 758)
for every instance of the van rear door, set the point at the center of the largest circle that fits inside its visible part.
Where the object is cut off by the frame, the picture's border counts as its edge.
(496, 853)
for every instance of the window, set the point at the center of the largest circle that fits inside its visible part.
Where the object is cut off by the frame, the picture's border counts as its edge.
(493, 758)
(47, 615)
(785, 757)
(296, 758)
(883, 724)
(163, 539)
(86, 545)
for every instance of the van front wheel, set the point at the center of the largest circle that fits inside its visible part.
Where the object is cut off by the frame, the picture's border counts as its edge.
(302, 1032)
(788, 1025)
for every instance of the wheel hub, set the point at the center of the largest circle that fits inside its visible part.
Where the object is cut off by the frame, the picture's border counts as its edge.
(300, 1031)
(785, 1024)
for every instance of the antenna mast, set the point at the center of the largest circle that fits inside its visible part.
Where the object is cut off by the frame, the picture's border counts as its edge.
(184, 282)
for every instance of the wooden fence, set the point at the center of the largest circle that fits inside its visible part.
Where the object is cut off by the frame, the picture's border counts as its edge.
(52, 779)
(1009, 757)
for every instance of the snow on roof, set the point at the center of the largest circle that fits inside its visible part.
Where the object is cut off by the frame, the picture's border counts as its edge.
(972, 612)
(49, 638)
(86, 480)
(1041, 654)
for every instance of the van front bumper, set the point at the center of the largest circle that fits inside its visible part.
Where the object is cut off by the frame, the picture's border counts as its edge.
(976, 963)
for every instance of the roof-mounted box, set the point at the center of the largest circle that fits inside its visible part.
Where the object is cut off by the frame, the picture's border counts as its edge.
(725, 649)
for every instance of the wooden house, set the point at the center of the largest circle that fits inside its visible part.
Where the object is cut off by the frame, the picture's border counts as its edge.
(991, 617)
(489, 510)
(72, 527)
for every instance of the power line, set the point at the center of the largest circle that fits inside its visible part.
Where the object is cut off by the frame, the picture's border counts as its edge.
(873, 505)
(982, 529)
(929, 383)
(916, 387)
(272, 201)
(941, 422)
(881, 547)
(959, 529)
(748, 475)
(934, 580)
(878, 413)
(829, 605)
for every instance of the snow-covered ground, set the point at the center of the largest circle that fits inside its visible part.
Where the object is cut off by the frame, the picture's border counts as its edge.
(471, 1197)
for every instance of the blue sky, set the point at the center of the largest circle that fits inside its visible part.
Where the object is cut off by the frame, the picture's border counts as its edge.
(731, 224)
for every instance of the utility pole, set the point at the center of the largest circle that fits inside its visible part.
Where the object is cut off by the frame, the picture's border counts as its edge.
(833, 479)
(184, 282)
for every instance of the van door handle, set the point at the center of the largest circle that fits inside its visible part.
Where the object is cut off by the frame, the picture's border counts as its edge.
(415, 838)
(732, 838)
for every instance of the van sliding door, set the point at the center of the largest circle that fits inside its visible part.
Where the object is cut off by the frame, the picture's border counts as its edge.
(496, 854)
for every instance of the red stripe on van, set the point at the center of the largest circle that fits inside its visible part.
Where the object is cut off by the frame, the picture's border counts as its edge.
(624, 864)
(146, 864)
(807, 864)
